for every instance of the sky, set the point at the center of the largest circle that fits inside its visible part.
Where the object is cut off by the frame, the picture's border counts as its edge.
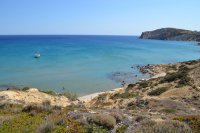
(96, 17)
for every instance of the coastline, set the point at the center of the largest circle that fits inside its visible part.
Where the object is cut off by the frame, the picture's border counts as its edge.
(157, 99)
(156, 71)
(89, 97)
(34, 95)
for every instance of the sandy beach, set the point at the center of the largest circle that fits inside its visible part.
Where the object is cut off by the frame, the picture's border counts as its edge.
(89, 97)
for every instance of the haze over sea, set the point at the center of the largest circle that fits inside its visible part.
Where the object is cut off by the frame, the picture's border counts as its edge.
(83, 64)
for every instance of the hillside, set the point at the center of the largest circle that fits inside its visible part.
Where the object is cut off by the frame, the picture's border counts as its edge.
(171, 34)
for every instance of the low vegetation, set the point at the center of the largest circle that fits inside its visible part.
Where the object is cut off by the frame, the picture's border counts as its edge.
(121, 129)
(34, 108)
(102, 97)
(70, 95)
(163, 127)
(137, 104)
(168, 110)
(107, 121)
(157, 91)
(181, 75)
(126, 94)
(25, 88)
(143, 84)
(95, 129)
(193, 121)
(50, 92)
(45, 127)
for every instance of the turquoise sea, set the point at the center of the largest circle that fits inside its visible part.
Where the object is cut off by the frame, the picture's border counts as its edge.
(83, 64)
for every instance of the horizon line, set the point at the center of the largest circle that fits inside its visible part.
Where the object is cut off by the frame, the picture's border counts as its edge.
(65, 35)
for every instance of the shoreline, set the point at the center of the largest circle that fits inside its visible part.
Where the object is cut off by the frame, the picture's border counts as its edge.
(156, 71)
(89, 97)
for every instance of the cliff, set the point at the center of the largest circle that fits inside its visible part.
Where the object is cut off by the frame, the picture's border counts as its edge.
(171, 34)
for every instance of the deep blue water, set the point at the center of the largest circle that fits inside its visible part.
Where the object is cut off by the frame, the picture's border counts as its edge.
(83, 64)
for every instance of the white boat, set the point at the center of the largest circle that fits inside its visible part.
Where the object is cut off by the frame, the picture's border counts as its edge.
(37, 55)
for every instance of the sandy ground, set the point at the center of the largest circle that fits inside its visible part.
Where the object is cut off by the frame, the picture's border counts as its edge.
(89, 97)
(31, 96)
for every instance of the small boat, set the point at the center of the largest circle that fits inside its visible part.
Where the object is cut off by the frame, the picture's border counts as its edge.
(37, 55)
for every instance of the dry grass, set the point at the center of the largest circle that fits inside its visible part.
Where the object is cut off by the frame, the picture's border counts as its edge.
(44, 107)
(45, 127)
(163, 127)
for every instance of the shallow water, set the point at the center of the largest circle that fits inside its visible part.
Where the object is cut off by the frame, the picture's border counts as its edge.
(83, 64)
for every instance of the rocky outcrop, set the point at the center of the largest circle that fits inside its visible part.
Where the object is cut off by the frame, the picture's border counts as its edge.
(171, 34)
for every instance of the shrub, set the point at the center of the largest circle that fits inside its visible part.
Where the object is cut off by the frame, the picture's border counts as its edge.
(131, 106)
(184, 80)
(45, 106)
(102, 97)
(138, 103)
(49, 92)
(70, 95)
(25, 88)
(130, 86)
(45, 127)
(121, 129)
(170, 77)
(181, 75)
(193, 121)
(163, 127)
(4, 119)
(7, 108)
(21, 123)
(126, 94)
(117, 114)
(95, 129)
(141, 103)
(169, 110)
(140, 118)
(157, 91)
(143, 84)
(192, 62)
(107, 121)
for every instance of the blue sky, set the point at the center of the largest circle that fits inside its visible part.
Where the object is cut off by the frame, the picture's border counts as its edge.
(99, 17)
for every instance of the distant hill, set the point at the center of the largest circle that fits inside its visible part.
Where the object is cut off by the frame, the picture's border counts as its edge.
(171, 34)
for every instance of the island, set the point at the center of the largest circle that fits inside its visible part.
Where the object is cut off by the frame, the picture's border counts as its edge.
(172, 34)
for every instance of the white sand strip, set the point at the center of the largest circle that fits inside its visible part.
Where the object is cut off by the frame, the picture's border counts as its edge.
(89, 97)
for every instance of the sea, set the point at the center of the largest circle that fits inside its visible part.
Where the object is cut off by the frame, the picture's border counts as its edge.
(84, 63)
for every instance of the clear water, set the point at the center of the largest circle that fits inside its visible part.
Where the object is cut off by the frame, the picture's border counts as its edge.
(83, 64)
